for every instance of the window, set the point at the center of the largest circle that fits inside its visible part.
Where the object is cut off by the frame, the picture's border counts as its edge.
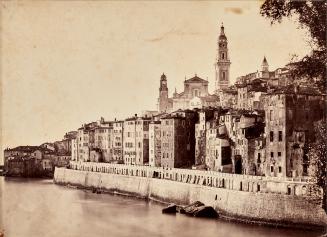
(271, 169)
(279, 154)
(271, 136)
(280, 136)
(259, 158)
(224, 75)
(280, 169)
(272, 154)
(271, 115)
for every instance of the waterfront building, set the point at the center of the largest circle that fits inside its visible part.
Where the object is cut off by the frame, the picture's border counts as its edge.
(218, 148)
(95, 141)
(83, 151)
(118, 131)
(74, 155)
(290, 116)
(136, 140)
(21, 166)
(103, 140)
(178, 139)
(251, 128)
(155, 143)
(30, 161)
(200, 135)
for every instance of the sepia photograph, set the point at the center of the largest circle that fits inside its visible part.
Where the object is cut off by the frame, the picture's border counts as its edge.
(163, 118)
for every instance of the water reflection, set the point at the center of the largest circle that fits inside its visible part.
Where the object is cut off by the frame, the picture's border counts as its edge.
(39, 208)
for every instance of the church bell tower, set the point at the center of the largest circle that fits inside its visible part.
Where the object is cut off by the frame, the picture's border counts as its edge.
(222, 64)
(163, 104)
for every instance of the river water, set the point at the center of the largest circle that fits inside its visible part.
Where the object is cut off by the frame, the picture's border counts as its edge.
(39, 208)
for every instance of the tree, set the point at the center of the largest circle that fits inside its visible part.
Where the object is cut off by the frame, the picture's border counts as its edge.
(311, 15)
(318, 158)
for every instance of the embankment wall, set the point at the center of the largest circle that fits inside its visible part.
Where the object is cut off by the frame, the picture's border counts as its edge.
(270, 208)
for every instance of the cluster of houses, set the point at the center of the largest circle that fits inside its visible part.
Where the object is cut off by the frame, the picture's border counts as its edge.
(270, 140)
(261, 125)
(38, 161)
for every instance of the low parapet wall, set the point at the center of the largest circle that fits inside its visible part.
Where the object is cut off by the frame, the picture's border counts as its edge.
(246, 183)
(273, 208)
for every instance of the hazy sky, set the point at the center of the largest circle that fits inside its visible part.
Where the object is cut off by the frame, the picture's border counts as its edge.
(67, 63)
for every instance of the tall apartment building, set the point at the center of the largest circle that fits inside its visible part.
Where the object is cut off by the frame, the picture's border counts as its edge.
(178, 139)
(200, 135)
(155, 143)
(290, 116)
(136, 140)
(118, 131)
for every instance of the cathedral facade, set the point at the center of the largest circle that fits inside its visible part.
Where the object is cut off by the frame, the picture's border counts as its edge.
(195, 94)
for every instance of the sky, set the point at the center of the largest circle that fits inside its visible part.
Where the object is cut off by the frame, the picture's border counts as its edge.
(65, 63)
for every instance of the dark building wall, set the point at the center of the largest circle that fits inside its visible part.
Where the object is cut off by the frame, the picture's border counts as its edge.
(302, 111)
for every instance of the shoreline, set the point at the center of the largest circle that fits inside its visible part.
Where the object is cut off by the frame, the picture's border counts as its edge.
(222, 216)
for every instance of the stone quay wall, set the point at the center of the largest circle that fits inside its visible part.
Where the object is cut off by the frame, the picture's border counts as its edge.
(251, 198)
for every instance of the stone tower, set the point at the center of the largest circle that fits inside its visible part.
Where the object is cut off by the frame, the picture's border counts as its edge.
(223, 63)
(264, 65)
(265, 68)
(163, 102)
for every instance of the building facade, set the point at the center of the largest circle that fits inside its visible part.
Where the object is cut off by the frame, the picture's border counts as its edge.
(155, 144)
(136, 140)
(178, 139)
(290, 116)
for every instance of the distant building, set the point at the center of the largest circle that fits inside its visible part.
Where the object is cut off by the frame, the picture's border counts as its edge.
(20, 166)
(28, 161)
(195, 95)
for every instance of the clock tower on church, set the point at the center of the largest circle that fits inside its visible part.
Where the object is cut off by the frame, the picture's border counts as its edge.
(222, 64)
